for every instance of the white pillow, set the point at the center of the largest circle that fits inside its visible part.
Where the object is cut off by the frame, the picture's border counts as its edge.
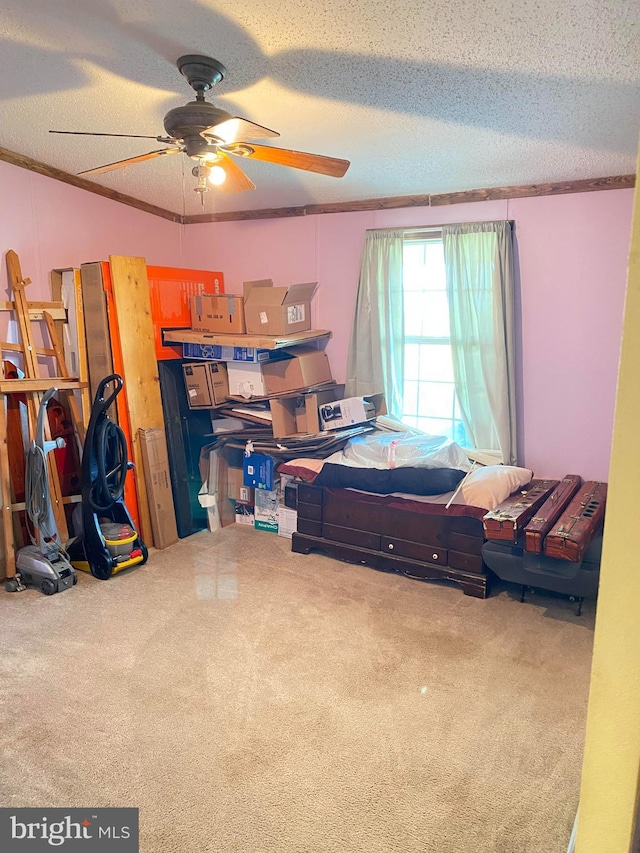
(489, 485)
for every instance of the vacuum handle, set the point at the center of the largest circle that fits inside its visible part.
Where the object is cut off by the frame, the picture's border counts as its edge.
(100, 399)
(48, 395)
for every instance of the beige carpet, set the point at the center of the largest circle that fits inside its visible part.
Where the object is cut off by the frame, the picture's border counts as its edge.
(250, 700)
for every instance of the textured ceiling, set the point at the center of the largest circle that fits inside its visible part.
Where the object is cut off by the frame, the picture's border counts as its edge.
(421, 97)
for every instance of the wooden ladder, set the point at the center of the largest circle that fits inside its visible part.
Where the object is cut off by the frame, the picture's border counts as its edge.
(33, 386)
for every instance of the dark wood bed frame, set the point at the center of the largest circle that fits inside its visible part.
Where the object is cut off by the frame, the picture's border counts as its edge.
(417, 540)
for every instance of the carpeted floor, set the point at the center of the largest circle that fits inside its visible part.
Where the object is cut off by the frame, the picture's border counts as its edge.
(251, 700)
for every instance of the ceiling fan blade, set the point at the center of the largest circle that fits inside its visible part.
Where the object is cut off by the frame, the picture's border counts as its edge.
(297, 159)
(236, 181)
(130, 161)
(86, 133)
(238, 130)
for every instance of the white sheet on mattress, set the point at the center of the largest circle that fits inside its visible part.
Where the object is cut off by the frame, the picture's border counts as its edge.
(401, 450)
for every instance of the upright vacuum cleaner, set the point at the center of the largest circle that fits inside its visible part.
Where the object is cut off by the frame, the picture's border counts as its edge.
(108, 540)
(44, 563)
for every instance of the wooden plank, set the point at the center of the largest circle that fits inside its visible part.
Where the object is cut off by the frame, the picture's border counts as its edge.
(83, 368)
(37, 309)
(43, 351)
(615, 182)
(533, 190)
(26, 386)
(76, 417)
(255, 341)
(98, 334)
(104, 358)
(67, 499)
(140, 369)
(121, 407)
(21, 308)
(74, 310)
(241, 215)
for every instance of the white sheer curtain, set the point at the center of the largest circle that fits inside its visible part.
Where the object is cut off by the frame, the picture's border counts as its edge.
(376, 351)
(479, 271)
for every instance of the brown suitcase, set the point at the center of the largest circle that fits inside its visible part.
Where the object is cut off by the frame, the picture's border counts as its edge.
(550, 512)
(507, 521)
(579, 523)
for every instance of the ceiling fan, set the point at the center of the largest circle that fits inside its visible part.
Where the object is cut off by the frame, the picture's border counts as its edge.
(209, 135)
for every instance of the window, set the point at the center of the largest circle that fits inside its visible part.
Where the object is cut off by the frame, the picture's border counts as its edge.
(429, 400)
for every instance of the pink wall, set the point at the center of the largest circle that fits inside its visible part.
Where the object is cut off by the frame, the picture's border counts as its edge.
(573, 265)
(53, 225)
(572, 259)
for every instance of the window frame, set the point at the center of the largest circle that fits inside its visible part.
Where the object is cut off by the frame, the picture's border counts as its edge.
(423, 235)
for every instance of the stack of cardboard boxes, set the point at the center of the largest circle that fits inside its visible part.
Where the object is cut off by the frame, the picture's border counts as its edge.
(290, 388)
(240, 372)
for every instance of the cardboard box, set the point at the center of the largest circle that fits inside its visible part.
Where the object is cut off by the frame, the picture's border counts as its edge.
(287, 521)
(155, 462)
(258, 471)
(211, 352)
(206, 383)
(245, 380)
(221, 314)
(245, 514)
(236, 489)
(350, 411)
(300, 415)
(266, 510)
(273, 310)
(303, 367)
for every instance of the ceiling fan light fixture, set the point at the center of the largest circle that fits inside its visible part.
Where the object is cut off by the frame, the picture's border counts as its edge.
(217, 175)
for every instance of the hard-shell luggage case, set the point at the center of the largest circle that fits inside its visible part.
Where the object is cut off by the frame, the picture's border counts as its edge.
(507, 521)
(577, 526)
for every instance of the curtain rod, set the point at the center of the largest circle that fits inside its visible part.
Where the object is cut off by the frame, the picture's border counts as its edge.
(418, 229)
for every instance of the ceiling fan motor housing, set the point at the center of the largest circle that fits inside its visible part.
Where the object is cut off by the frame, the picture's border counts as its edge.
(188, 121)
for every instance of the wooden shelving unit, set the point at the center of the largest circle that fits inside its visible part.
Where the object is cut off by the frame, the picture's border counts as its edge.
(188, 336)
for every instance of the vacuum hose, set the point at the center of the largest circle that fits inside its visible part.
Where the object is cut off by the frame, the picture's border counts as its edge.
(111, 460)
